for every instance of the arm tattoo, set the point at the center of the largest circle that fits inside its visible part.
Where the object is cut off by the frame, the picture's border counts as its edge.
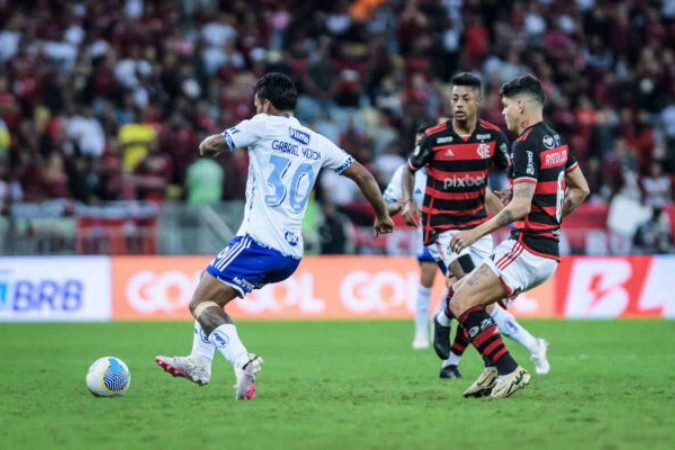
(525, 190)
(504, 217)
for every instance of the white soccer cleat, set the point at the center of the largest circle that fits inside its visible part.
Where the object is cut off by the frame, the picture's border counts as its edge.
(195, 369)
(541, 365)
(245, 368)
(420, 342)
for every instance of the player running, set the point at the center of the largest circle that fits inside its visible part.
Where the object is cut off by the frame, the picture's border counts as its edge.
(285, 160)
(547, 186)
(393, 195)
(458, 155)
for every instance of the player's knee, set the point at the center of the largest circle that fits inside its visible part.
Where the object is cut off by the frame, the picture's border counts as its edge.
(461, 302)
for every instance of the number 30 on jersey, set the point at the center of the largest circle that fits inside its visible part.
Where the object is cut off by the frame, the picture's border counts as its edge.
(298, 185)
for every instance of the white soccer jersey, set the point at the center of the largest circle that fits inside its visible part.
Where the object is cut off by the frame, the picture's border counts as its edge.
(394, 189)
(285, 160)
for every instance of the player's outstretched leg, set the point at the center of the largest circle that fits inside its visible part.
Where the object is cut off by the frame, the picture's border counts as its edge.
(195, 369)
(484, 336)
(197, 366)
(482, 286)
(222, 332)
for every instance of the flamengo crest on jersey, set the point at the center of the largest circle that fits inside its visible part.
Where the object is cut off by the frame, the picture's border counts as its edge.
(285, 158)
(457, 171)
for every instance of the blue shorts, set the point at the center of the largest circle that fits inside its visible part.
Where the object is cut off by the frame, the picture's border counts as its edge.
(246, 265)
(423, 255)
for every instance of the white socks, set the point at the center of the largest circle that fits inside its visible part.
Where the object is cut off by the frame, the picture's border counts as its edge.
(227, 340)
(443, 319)
(422, 310)
(509, 327)
(201, 346)
(453, 360)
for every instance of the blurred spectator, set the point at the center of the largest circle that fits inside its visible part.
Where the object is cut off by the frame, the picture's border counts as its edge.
(386, 164)
(86, 132)
(152, 174)
(654, 236)
(88, 87)
(83, 180)
(112, 184)
(333, 230)
(5, 140)
(10, 36)
(656, 186)
(667, 122)
(319, 83)
(54, 177)
(619, 168)
(135, 138)
(204, 181)
(337, 189)
(384, 134)
(10, 189)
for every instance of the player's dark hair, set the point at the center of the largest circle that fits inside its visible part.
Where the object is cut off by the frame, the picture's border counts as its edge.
(526, 84)
(278, 89)
(467, 79)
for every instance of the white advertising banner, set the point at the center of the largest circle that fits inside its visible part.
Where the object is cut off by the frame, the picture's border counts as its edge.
(55, 289)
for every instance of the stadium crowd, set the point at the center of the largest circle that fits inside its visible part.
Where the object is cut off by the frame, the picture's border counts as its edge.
(108, 99)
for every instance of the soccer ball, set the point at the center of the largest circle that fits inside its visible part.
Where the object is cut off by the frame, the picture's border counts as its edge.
(108, 377)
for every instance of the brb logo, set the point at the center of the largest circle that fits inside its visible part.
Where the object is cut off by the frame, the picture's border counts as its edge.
(25, 295)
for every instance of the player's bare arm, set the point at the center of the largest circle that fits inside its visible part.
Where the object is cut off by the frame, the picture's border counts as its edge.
(518, 208)
(504, 196)
(395, 208)
(410, 212)
(366, 182)
(577, 190)
(212, 145)
(493, 202)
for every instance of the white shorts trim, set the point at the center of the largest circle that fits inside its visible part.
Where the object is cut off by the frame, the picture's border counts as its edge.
(518, 269)
(441, 251)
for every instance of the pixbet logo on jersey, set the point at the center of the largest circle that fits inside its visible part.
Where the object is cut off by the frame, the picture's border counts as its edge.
(463, 181)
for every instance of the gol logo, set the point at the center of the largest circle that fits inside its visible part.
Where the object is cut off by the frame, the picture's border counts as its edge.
(149, 292)
(383, 291)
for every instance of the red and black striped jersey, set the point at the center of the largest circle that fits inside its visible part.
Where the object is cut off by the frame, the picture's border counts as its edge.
(540, 156)
(457, 175)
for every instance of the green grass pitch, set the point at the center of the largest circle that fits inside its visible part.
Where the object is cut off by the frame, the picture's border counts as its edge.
(342, 385)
